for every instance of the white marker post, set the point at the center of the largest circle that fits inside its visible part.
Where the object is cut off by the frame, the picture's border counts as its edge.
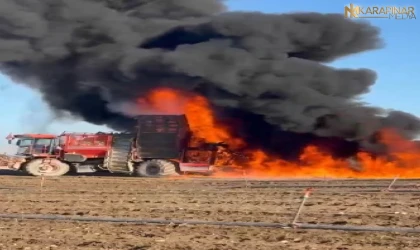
(308, 192)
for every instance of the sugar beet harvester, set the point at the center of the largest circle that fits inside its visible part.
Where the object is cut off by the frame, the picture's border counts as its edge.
(160, 145)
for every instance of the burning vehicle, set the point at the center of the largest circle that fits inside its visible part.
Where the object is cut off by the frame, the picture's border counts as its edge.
(262, 83)
(160, 145)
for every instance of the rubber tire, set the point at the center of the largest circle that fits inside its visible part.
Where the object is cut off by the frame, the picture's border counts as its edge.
(32, 168)
(166, 168)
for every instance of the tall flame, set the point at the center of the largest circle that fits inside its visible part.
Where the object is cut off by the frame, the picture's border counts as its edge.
(196, 108)
(314, 163)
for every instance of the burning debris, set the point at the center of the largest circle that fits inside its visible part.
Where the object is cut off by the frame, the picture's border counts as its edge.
(260, 77)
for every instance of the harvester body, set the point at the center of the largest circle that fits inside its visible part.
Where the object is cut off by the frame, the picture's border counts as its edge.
(160, 145)
(164, 137)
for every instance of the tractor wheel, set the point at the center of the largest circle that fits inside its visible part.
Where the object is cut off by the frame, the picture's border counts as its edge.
(156, 168)
(47, 167)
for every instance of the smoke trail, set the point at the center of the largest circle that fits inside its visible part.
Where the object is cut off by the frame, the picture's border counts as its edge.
(87, 57)
(36, 118)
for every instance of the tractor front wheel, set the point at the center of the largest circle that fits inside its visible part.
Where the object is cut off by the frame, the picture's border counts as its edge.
(156, 168)
(47, 167)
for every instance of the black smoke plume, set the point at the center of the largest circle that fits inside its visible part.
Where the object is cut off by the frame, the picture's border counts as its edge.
(267, 71)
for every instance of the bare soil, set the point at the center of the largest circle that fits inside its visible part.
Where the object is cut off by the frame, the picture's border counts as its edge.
(339, 202)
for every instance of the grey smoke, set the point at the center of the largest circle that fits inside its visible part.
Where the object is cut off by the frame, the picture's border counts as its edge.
(89, 56)
(36, 118)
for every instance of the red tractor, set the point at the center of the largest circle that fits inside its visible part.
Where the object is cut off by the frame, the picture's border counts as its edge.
(160, 145)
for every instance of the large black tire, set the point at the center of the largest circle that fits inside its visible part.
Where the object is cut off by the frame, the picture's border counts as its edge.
(47, 167)
(156, 169)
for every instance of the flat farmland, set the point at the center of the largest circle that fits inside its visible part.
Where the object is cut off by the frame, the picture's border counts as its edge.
(334, 202)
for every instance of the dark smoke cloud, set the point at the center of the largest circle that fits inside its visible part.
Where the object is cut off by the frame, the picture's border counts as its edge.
(88, 56)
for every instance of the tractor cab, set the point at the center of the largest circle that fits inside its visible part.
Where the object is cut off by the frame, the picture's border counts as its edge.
(35, 144)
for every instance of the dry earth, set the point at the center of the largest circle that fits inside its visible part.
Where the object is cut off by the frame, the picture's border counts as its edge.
(353, 202)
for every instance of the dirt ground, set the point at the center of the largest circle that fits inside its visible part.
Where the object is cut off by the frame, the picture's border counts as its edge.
(339, 202)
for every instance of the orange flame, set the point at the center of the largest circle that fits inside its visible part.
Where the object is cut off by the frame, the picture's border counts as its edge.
(196, 108)
(314, 163)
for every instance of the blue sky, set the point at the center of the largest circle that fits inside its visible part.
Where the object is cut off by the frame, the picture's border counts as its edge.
(398, 67)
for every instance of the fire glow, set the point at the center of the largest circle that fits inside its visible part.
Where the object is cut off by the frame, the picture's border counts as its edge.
(314, 163)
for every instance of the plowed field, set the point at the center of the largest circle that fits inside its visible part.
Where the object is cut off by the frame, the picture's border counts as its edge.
(337, 202)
